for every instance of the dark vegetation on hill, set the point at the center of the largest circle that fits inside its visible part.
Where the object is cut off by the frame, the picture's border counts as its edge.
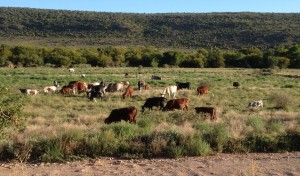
(177, 30)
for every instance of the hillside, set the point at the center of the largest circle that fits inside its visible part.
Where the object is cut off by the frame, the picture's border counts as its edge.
(178, 30)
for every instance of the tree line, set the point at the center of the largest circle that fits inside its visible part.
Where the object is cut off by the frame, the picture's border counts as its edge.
(149, 56)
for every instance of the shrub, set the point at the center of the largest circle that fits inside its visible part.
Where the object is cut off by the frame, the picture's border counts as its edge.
(11, 107)
(256, 123)
(218, 137)
(280, 100)
(195, 146)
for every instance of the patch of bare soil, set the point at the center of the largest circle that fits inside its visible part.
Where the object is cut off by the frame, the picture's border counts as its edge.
(220, 164)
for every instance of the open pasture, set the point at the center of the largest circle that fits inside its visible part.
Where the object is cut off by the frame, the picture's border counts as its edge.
(61, 127)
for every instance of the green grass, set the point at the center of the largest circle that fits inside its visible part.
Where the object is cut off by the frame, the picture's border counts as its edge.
(60, 128)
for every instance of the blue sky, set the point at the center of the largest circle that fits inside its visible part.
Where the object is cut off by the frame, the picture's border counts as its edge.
(161, 6)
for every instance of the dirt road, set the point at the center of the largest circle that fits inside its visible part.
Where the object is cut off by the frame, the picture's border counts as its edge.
(220, 164)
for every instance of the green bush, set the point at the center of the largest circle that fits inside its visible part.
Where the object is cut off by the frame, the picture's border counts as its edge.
(280, 100)
(195, 146)
(11, 107)
(217, 137)
(257, 124)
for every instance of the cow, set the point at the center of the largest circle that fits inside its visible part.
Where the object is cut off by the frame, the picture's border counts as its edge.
(29, 91)
(97, 91)
(141, 84)
(96, 86)
(56, 83)
(50, 89)
(71, 70)
(210, 110)
(180, 103)
(128, 92)
(79, 86)
(126, 75)
(113, 87)
(147, 87)
(154, 77)
(202, 90)
(181, 85)
(126, 114)
(256, 104)
(82, 75)
(154, 101)
(236, 84)
(67, 89)
(170, 90)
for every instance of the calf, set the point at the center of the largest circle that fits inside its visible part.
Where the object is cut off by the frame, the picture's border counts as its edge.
(236, 84)
(256, 104)
(67, 89)
(202, 90)
(126, 114)
(154, 101)
(141, 84)
(170, 90)
(180, 103)
(79, 86)
(155, 77)
(147, 87)
(210, 110)
(29, 91)
(128, 92)
(181, 85)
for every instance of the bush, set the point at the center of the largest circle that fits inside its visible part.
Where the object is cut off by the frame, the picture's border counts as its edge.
(280, 100)
(195, 146)
(257, 124)
(218, 137)
(11, 107)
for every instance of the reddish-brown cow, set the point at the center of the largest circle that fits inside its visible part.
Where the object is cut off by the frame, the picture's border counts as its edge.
(210, 110)
(147, 87)
(126, 114)
(180, 103)
(128, 92)
(67, 90)
(79, 86)
(202, 90)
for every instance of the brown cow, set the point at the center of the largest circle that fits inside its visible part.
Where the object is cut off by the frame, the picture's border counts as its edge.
(79, 86)
(126, 114)
(147, 87)
(68, 89)
(202, 90)
(210, 110)
(128, 92)
(180, 103)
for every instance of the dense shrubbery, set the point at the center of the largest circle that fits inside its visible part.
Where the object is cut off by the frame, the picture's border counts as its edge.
(279, 57)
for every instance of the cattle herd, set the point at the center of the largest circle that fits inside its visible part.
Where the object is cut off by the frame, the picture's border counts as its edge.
(98, 90)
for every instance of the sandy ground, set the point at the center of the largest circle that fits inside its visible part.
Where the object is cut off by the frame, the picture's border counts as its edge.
(220, 164)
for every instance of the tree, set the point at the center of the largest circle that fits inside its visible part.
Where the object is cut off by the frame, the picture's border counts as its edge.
(215, 59)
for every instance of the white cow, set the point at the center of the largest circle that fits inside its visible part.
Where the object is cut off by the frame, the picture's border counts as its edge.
(32, 91)
(50, 89)
(71, 70)
(170, 90)
(256, 104)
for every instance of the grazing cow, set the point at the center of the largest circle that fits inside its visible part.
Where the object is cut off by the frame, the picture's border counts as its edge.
(67, 89)
(154, 101)
(96, 86)
(256, 104)
(32, 92)
(170, 90)
(154, 77)
(71, 70)
(128, 92)
(126, 74)
(202, 90)
(147, 87)
(210, 110)
(82, 75)
(181, 85)
(97, 91)
(141, 84)
(50, 89)
(113, 87)
(180, 103)
(236, 84)
(79, 86)
(126, 114)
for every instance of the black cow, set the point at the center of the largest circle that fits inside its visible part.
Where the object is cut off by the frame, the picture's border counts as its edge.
(236, 84)
(155, 77)
(126, 114)
(181, 85)
(154, 101)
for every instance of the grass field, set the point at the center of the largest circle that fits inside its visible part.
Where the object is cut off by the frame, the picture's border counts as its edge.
(60, 128)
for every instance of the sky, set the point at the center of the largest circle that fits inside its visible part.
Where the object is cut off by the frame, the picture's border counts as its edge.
(161, 6)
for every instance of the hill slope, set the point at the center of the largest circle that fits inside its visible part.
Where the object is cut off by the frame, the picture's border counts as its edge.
(180, 30)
